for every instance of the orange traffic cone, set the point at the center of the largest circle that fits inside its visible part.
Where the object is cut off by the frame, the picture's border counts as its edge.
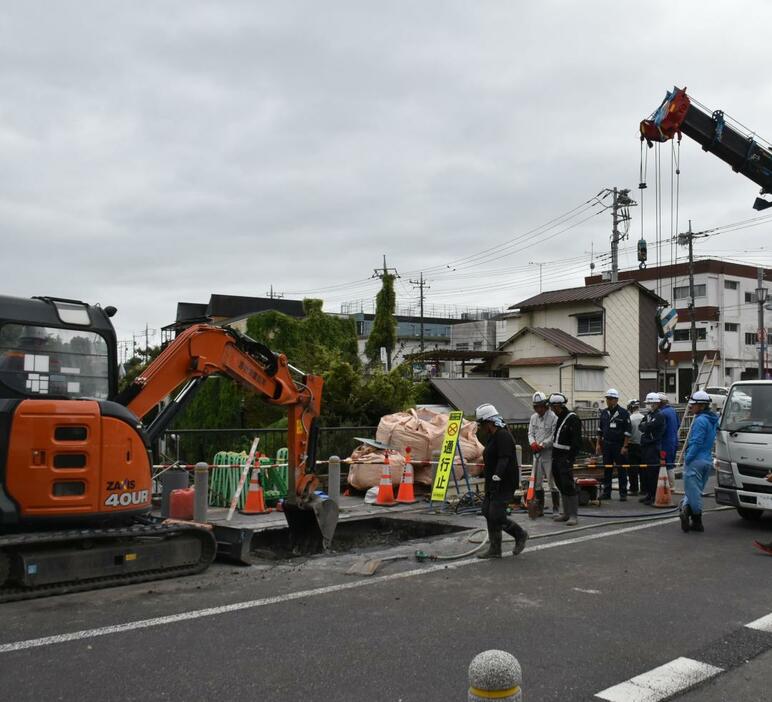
(385, 488)
(406, 494)
(255, 503)
(530, 497)
(664, 497)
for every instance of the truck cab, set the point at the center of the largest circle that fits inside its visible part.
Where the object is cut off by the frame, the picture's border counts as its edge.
(743, 457)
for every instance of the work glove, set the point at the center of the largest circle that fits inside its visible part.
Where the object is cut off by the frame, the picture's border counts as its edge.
(663, 458)
(535, 447)
(495, 484)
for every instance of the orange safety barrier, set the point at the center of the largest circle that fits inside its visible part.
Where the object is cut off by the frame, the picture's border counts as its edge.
(664, 497)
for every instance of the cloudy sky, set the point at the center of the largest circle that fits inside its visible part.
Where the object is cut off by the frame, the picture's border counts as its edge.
(162, 151)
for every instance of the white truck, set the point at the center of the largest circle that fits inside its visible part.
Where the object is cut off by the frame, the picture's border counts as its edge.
(743, 455)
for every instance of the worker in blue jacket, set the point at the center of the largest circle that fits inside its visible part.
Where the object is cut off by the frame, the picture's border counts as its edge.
(670, 440)
(613, 439)
(698, 460)
(652, 428)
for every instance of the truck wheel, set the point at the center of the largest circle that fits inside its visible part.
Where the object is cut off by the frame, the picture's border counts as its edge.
(752, 515)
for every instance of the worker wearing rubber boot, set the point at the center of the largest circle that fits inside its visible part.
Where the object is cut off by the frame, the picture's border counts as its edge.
(566, 443)
(634, 453)
(613, 440)
(541, 429)
(502, 475)
(652, 428)
(697, 460)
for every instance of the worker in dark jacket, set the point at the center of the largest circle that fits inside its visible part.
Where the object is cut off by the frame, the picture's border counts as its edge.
(565, 447)
(502, 475)
(653, 427)
(613, 440)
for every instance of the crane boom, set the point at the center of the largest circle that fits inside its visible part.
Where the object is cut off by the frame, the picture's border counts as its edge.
(716, 134)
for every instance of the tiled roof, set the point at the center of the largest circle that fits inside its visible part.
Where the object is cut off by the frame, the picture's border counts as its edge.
(557, 337)
(585, 293)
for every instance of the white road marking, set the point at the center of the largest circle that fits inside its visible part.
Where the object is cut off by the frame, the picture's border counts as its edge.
(763, 624)
(302, 594)
(588, 592)
(663, 682)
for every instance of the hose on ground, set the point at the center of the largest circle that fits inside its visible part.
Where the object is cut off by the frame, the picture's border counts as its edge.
(423, 556)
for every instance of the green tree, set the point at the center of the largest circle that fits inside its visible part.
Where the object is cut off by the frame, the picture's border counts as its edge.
(384, 331)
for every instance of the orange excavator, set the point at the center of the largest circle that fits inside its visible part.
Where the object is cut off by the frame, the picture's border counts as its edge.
(75, 457)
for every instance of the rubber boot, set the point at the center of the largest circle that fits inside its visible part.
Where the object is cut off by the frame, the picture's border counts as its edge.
(572, 509)
(494, 545)
(519, 534)
(540, 503)
(684, 514)
(555, 501)
(563, 516)
(697, 521)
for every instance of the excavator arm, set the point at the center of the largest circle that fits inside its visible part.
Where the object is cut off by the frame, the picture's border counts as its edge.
(202, 350)
(715, 133)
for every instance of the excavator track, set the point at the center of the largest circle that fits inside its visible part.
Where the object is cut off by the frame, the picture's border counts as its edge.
(30, 563)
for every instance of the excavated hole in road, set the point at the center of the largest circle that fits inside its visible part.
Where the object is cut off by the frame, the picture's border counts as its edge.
(356, 534)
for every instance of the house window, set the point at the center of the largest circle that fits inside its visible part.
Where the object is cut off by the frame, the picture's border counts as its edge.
(462, 346)
(731, 327)
(683, 334)
(477, 345)
(750, 338)
(750, 297)
(589, 379)
(589, 324)
(731, 284)
(682, 292)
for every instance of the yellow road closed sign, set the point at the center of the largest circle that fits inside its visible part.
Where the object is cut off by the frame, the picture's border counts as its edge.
(447, 455)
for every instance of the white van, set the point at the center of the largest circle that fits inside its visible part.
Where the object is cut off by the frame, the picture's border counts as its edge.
(743, 457)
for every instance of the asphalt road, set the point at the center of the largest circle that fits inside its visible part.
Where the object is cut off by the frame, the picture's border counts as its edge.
(581, 614)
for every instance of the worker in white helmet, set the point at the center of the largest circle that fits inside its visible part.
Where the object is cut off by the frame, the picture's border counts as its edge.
(612, 442)
(541, 429)
(670, 439)
(698, 460)
(502, 474)
(566, 443)
(652, 428)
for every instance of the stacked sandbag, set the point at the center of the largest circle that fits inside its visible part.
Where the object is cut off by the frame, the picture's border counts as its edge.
(423, 430)
(367, 466)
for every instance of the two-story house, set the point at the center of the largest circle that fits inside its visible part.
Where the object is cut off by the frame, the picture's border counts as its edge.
(580, 341)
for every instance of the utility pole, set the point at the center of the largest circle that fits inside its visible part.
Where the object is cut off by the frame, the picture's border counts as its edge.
(421, 285)
(687, 239)
(620, 213)
(382, 273)
(541, 265)
(274, 295)
(761, 335)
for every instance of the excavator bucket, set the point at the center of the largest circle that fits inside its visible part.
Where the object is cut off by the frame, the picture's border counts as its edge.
(311, 524)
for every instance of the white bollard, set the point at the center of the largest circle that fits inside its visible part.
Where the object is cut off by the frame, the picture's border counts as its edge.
(495, 675)
(333, 479)
(201, 476)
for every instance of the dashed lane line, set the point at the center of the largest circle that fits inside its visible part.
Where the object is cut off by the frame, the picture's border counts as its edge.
(302, 594)
(762, 624)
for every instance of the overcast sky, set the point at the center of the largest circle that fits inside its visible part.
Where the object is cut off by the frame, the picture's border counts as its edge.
(162, 151)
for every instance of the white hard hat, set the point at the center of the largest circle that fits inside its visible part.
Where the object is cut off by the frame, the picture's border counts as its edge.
(662, 397)
(558, 398)
(612, 392)
(485, 412)
(652, 398)
(700, 398)
(539, 398)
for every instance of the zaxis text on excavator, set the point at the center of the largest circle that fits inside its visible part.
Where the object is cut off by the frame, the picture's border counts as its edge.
(75, 456)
